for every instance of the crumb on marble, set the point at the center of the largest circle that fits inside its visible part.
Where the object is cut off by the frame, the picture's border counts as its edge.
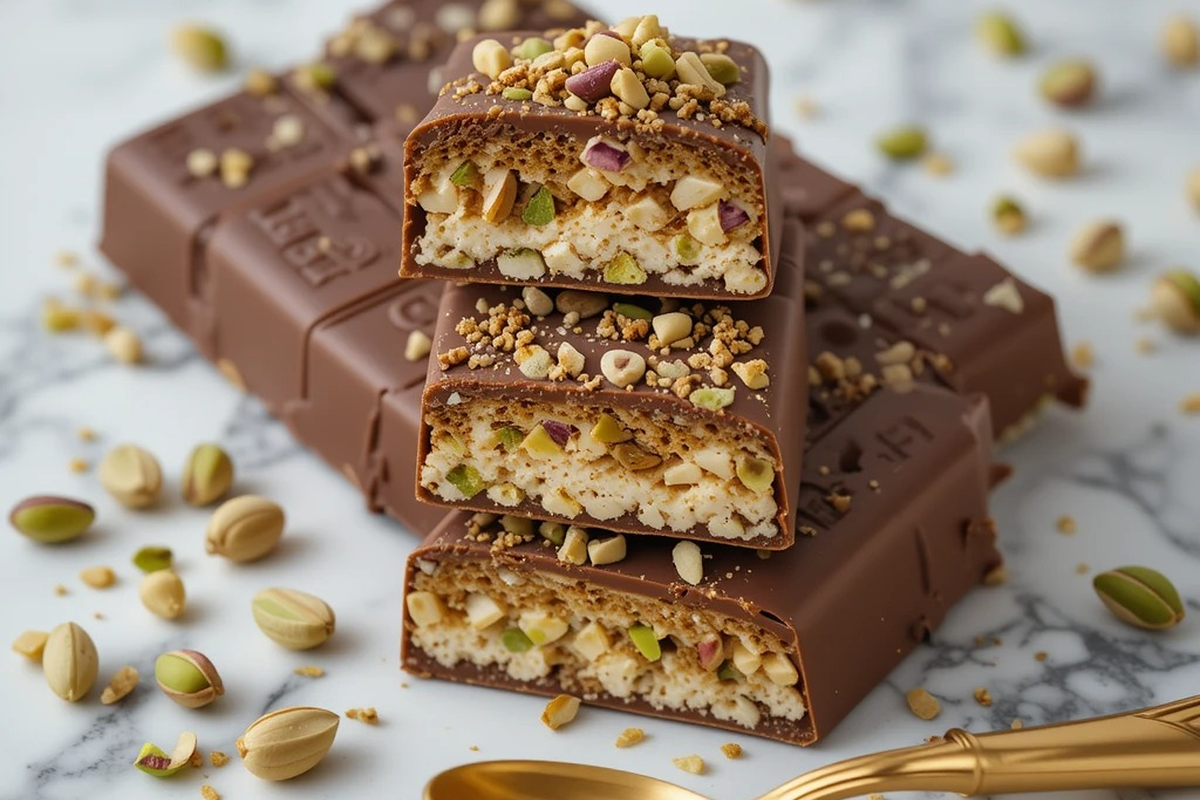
(923, 704)
(807, 107)
(78, 465)
(1190, 404)
(1017, 724)
(693, 764)
(630, 736)
(218, 759)
(732, 750)
(1083, 356)
(86, 434)
(367, 715)
(938, 165)
(1082, 569)
(1145, 345)
(309, 672)
(983, 696)
(61, 590)
(996, 576)
(209, 793)
(1041, 655)
(66, 258)
(474, 748)
(1066, 524)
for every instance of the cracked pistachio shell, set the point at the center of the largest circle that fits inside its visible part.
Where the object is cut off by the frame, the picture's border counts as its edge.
(207, 475)
(245, 528)
(1140, 596)
(188, 678)
(70, 662)
(50, 520)
(297, 620)
(287, 742)
(153, 761)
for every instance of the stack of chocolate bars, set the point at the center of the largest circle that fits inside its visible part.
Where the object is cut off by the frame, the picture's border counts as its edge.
(715, 429)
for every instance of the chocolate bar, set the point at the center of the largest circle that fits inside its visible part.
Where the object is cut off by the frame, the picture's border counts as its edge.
(644, 416)
(619, 159)
(782, 647)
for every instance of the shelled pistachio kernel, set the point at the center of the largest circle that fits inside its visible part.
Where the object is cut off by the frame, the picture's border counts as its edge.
(516, 93)
(50, 519)
(1000, 34)
(624, 270)
(645, 640)
(540, 208)
(1052, 153)
(70, 662)
(1175, 299)
(207, 475)
(131, 475)
(297, 620)
(1181, 42)
(425, 608)
(163, 594)
(154, 761)
(287, 742)
(123, 682)
(188, 678)
(1099, 246)
(713, 399)
(245, 528)
(31, 644)
(467, 480)
(1140, 596)
(1068, 83)
(491, 58)
(756, 474)
(722, 68)
(533, 47)
(152, 559)
(201, 47)
(315, 77)
(1008, 215)
(560, 711)
(902, 143)
(656, 60)
(686, 249)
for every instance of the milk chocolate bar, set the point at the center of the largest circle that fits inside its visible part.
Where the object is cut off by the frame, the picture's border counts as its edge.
(783, 646)
(641, 415)
(625, 160)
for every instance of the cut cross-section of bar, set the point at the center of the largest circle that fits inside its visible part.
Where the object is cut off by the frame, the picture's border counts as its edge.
(623, 159)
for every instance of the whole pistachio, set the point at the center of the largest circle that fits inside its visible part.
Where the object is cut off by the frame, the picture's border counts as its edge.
(207, 475)
(1069, 84)
(905, 142)
(1140, 596)
(50, 519)
(297, 620)
(162, 593)
(1052, 153)
(1000, 34)
(1176, 300)
(245, 528)
(131, 475)
(154, 761)
(188, 678)
(1099, 246)
(70, 662)
(287, 742)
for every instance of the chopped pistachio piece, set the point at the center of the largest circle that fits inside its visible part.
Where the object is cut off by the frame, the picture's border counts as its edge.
(516, 93)
(608, 431)
(711, 398)
(624, 270)
(466, 479)
(756, 474)
(903, 143)
(533, 47)
(645, 640)
(657, 61)
(515, 640)
(632, 311)
(540, 208)
(540, 444)
(510, 436)
(465, 175)
(687, 249)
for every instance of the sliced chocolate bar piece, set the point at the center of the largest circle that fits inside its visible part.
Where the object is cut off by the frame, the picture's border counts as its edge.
(644, 416)
(619, 159)
(894, 512)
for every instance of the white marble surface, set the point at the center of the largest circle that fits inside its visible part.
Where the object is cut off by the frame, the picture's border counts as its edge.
(81, 74)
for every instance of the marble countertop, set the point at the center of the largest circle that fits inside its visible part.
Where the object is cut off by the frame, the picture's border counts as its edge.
(81, 74)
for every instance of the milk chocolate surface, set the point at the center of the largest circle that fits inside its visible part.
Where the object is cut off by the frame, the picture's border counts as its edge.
(670, 170)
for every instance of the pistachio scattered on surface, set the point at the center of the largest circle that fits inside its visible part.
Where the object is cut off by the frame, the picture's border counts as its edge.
(163, 594)
(201, 47)
(1000, 34)
(1175, 299)
(98, 577)
(131, 475)
(188, 678)
(1052, 153)
(31, 644)
(1180, 42)
(70, 662)
(560, 711)
(152, 559)
(245, 528)
(124, 345)
(154, 761)
(1140, 596)
(50, 519)
(903, 143)
(122, 683)
(207, 475)
(287, 742)
(1099, 246)
(923, 704)
(1008, 215)
(1069, 84)
(297, 620)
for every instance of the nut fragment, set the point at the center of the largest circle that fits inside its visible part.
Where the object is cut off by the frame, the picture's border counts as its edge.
(607, 551)
(671, 327)
(1175, 299)
(417, 346)
(560, 711)
(70, 662)
(1193, 187)
(124, 345)
(188, 678)
(245, 528)
(50, 519)
(622, 367)
(151, 559)
(201, 47)
(491, 58)
(297, 620)
(207, 475)
(689, 562)
(923, 704)
(630, 736)
(287, 742)
(131, 475)
(500, 194)
(1180, 42)
(1069, 84)
(1052, 153)
(163, 594)
(999, 33)
(124, 682)
(903, 143)
(1140, 596)
(98, 577)
(1099, 246)
(154, 761)
(693, 764)
(31, 644)
(1008, 215)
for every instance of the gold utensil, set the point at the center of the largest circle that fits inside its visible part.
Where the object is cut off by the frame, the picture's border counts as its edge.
(1152, 748)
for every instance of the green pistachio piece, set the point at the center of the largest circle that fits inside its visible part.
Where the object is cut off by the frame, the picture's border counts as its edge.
(905, 142)
(632, 311)
(315, 77)
(1187, 283)
(624, 270)
(1140, 596)
(465, 175)
(1000, 34)
(516, 93)
(515, 640)
(50, 520)
(728, 672)
(1008, 215)
(540, 443)
(201, 47)
(466, 479)
(634, 458)
(152, 559)
(687, 249)
(510, 436)
(657, 61)
(154, 761)
(519, 526)
(533, 47)
(1068, 83)
(608, 431)
(711, 398)
(540, 208)
(553, 532)
(756, 474)
(722, 68)
(645, 641)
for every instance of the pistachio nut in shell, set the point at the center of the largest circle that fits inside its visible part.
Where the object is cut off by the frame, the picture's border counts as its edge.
(70, 661)
(131, 474)
(1175, 298)
(287, 742)
(50, 519)
(1140, 596)
(245, 528)
(207, 475)
(297, 620)
(1069, 84)
(163, 594)
(153, 761)
(188, 678)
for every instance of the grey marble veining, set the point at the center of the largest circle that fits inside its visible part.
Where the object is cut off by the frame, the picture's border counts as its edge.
(1127, 469)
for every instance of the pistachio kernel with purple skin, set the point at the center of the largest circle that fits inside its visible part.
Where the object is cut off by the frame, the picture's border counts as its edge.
(50, 519)
(594, 83)
(154, 761)
(731, 216)
(560, 432)
(605, 156)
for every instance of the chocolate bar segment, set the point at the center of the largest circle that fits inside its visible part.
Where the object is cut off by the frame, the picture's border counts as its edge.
(894, 504)
(565, 163)
(685, 420)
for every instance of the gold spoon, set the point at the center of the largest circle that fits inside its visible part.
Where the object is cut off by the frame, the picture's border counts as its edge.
(1152, 748)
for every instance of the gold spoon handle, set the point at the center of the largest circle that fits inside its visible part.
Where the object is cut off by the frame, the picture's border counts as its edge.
(1152, 748)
